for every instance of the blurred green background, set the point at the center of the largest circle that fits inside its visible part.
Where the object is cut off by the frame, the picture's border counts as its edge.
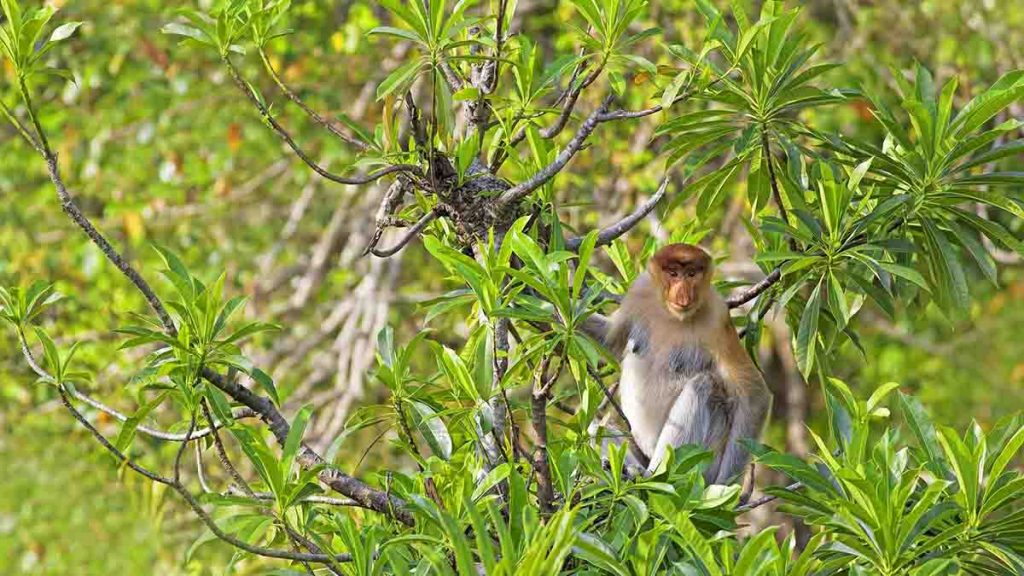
(160, 149)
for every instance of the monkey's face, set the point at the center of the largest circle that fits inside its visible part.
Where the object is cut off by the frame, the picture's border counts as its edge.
(683, 271)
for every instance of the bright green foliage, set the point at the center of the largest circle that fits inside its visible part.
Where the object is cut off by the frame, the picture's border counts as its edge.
(893, 509)
(501, 462)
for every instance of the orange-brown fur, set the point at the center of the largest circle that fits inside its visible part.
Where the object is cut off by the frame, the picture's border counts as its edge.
(678, 309)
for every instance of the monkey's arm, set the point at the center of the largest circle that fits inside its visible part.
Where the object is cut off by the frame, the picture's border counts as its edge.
(750, 414)
(612, 331)
(692, 420)
(596, 326)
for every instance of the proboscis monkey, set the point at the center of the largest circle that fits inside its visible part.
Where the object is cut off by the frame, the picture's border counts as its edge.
(686, 379)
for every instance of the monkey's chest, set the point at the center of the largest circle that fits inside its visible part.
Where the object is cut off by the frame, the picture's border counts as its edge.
(653, 378)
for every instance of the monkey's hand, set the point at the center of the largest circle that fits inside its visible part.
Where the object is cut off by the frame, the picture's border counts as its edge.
(597, 326)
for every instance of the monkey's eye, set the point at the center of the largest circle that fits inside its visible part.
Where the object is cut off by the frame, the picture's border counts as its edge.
(691, 273)
(673, 273)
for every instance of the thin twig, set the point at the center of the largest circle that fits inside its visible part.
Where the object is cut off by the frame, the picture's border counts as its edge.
(222, 454)
(632, 114)
(181, 449)
(766, 499)
(367, 496)
(407, 237)
(567, 99)
(232, 491)
(72, 210)
(173, 483)
(291, 95)
(155, 433)
(200, 473)
(570, 104)
(9, 115)
(237, 413)
(191, 501)
(609, 396)
(287, 138)
(766, 149)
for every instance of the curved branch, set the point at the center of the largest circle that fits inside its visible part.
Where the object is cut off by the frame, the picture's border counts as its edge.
(232, 491)
(367, 496)
(741, 298)
(412, 233)
(21, 129)
(568, 99)
(72, 210)
(629, 114)
(237, 413)
(609, 234)
(173, 483)
(521, 190)
(291, 95)
(287, 138)
(192, 502)
(609, 396)
(570, 105)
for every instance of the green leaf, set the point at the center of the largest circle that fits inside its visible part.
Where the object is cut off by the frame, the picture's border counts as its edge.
(293, 442)
(397, 33)
(881, 393)
(904, 272)
(947, 273)
(1008, 452)
(590, 548)
(64, 31)
(807, 334)
(264, 381)
(400, 79)
(128, 428)
(923, 429)
(457, 372)
(433, 429)
(497, 475)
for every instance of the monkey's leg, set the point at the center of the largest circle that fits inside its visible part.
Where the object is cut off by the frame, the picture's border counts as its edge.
(747, 422)
(689, 421)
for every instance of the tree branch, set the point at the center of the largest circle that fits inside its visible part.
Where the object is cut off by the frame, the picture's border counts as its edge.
(570, 104)
(521, 190)
(9, 115)
(608, 395)
(568, 99)
(312, 499)
(192, 502)
(766, 499)
(237, 413)
(766, 149)
(222, 454)
(175, 482)
(287, 138)
(405, 239)
(741, 298)
(539, 404)
(330, 126)
(71, 209)
(609, 234)
(354, 488)
(631, 114)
